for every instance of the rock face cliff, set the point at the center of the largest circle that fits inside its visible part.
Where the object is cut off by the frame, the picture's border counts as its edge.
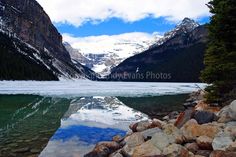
(177, 57)
(26, 21)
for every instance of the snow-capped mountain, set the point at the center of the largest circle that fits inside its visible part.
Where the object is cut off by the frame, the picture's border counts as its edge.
(103, 58)
(185, 26)
(177, 57)
(101, 55)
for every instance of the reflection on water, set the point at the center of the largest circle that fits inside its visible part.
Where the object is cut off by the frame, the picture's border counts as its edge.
(156, 107)
(48, 127)
(88, 121)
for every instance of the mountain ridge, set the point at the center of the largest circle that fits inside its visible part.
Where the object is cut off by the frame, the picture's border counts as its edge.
(106, 57)
(166, 62)
(28, 24)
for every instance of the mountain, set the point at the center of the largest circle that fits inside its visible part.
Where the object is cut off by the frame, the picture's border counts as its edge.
(177, 57)
(111, 52)
(31, 47)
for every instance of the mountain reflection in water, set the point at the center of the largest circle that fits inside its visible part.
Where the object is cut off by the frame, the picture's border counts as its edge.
(66, 127)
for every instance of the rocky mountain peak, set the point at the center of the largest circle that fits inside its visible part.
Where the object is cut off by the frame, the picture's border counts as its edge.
(187, 24)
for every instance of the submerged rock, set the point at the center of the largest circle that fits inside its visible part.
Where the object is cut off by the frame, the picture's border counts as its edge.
(35, 150)
(21, 150)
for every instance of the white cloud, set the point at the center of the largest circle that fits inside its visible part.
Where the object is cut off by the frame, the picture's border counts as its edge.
(77, 12)
(126, 43)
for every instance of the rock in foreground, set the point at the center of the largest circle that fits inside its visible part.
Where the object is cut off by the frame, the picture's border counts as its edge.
(190, 135)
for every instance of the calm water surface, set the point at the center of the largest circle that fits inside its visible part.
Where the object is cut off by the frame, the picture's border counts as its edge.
(64, 126)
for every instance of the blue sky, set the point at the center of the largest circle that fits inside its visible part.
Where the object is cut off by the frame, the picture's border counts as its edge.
(97, 25)
(81, 18)
(117, 26)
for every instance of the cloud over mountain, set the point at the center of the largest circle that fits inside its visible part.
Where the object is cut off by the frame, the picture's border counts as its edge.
(78, 12)
(105, 43)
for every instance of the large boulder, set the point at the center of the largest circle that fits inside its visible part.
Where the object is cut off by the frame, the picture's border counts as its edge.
(144, 125)
(146, 149)
(157, 123)
(184, 117)
(175, 150)
(228, 113)
(222, 141)
(103, 149)
(174, 132)
(149, 133)
(132, 141)
(202, 106)
(230, 128)
(204, 142)
(203, 117)
(192, 130)
(161, 140)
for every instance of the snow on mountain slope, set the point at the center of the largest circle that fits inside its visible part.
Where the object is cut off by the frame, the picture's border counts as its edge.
(102, 53)
(185, 26)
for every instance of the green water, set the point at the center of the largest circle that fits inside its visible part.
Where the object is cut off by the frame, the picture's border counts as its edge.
(28, 122)
(156, 107)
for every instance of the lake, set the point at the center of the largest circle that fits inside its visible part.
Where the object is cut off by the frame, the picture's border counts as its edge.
(67, 118)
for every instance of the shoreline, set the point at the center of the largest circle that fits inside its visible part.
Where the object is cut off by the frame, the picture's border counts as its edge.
(201, 130)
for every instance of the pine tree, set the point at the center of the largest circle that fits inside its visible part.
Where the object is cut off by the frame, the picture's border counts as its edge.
(220, 57)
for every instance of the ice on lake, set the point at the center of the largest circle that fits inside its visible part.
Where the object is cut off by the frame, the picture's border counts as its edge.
(93, 88)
